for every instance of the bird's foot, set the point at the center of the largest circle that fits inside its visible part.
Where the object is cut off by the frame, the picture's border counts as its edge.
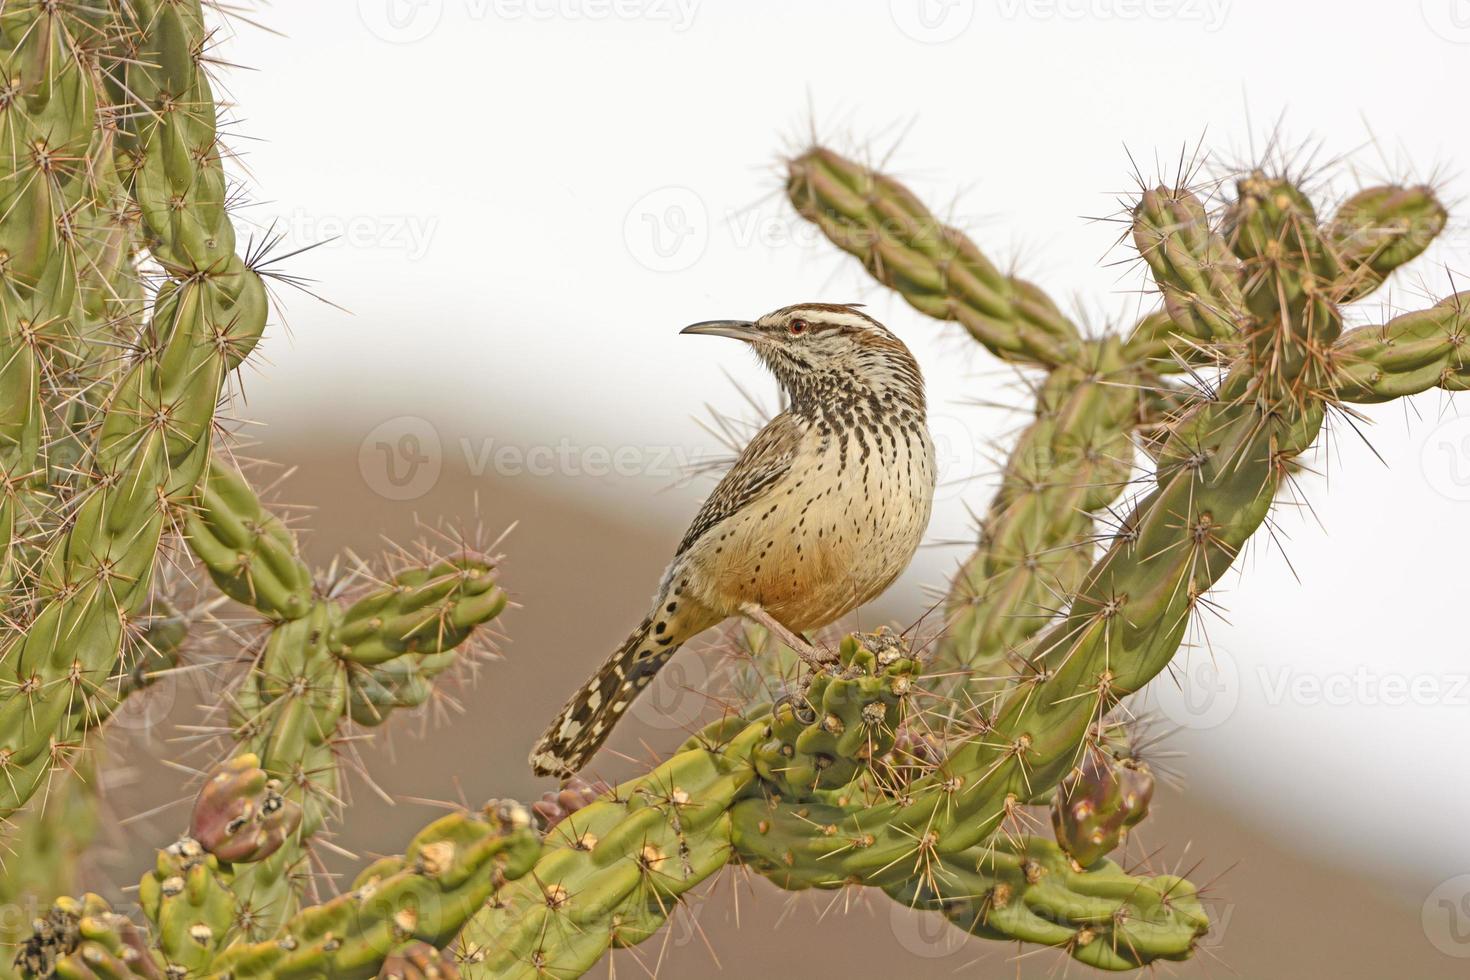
(816, 658)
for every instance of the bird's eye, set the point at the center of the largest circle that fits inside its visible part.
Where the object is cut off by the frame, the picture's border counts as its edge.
(797, 327)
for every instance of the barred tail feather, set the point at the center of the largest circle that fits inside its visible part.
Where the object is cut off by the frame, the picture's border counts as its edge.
(588, 718)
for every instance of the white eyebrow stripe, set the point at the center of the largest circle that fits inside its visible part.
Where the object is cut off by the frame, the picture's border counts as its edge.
(833, 317)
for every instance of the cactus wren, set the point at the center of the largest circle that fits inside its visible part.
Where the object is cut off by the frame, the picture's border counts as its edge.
(820, 512)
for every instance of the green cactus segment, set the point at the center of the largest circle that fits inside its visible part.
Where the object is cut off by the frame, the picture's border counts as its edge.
(249, 553)
(1011, 887)
(1037, 539)
(309, 679)
(20, 434)
(423, 610)
(152, 446)
(240, 814)
(152, 443)
(1379, 229)
(48, 191)
(403, 683)
(172, 140)
(1098, 802)
(148, 654)
(448, 873)
(1025, 889)
(402, 637)
(1195, 270)
(933, 266)
(190, 902)
(1411, 353)
(612, 872)
(287, 712)
(825, 737)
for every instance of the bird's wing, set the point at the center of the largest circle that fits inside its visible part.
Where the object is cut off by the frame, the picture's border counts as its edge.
(762, 463)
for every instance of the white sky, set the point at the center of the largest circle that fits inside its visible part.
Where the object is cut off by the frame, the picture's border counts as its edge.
(500, 171)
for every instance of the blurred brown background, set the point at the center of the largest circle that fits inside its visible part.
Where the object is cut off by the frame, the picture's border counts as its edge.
(581, 575)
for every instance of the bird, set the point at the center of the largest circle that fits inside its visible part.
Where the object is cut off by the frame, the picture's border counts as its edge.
(819, 513)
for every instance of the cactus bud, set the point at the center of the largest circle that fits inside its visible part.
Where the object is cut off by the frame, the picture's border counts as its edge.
(1097, 803)
(555, 806)
(418, 961)
(240, 814)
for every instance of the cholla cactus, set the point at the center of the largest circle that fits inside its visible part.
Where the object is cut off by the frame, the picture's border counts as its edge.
(114, 174)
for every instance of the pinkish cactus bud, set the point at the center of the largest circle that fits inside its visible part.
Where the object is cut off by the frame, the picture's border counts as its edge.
(418, 961)
(1096, 804)
(240, 814)
(557, 805)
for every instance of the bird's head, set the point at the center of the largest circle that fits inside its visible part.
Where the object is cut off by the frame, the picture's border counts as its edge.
(819, 350)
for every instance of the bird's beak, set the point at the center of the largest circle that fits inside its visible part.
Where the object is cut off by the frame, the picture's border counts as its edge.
(736, 329)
